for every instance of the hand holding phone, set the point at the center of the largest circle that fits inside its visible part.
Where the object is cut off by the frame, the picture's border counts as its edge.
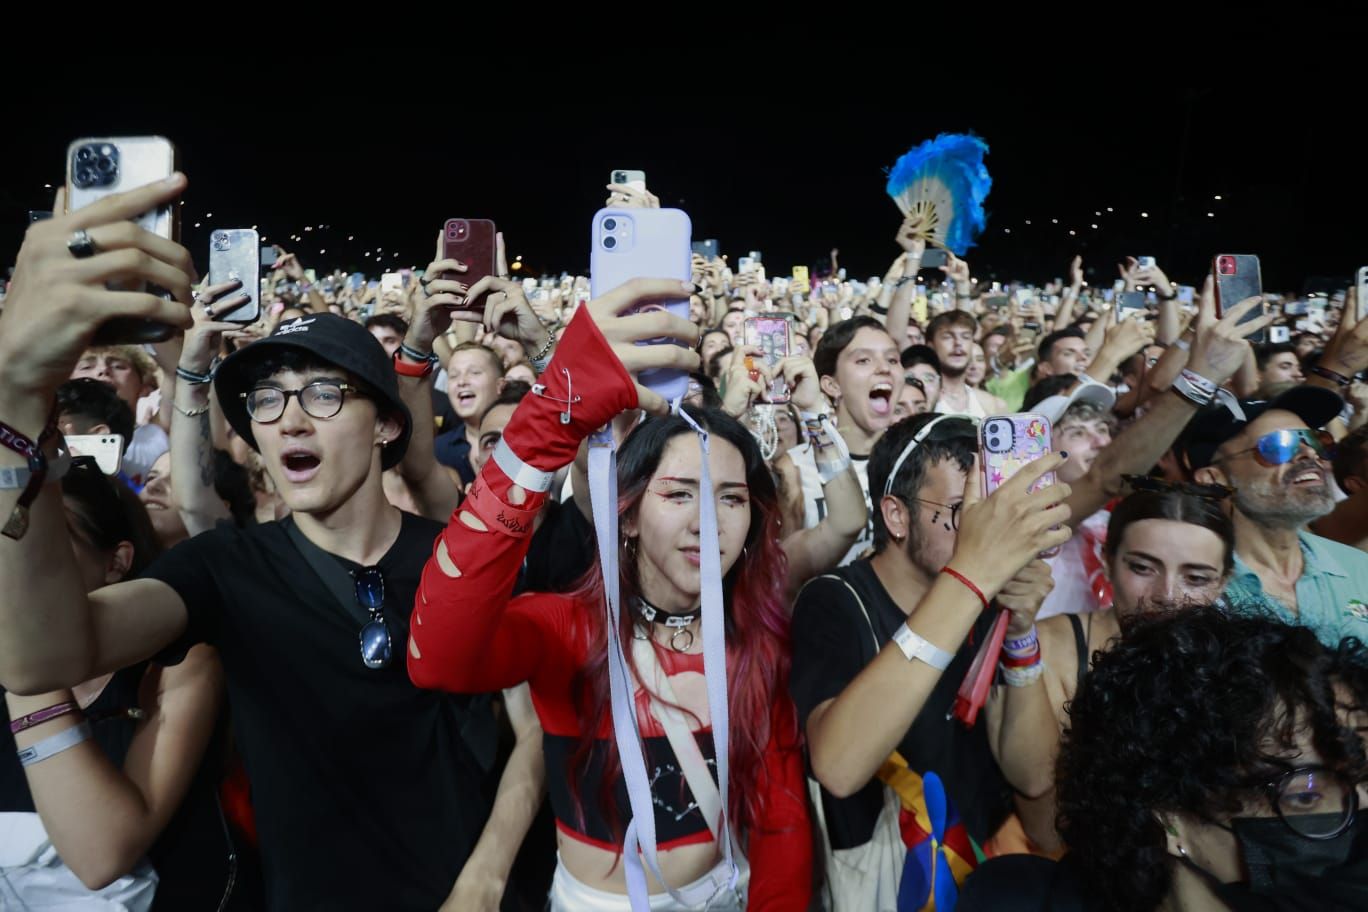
(1009, 443)
(773, 337)
(97, 168)
(473, 242)
(1238, 278)
(235, 256)
(1002, 532)
(106, 449)
(645, 243)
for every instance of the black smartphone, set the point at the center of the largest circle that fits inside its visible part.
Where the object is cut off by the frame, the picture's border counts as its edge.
(1238, 277)
(1133, 300)
(38, 215)
(934, 258)
(706, 249)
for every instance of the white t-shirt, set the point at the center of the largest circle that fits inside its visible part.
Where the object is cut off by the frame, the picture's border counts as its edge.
(1077, 571)
(814, 501)
(148, 443)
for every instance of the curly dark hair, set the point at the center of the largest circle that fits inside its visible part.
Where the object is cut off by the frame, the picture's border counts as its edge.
(1187, 714)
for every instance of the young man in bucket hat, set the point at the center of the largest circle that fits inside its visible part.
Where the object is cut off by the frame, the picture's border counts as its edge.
(368, 792)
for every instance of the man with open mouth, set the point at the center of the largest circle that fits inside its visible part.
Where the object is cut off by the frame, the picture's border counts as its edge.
(1276, 460)
(368, 792)
(858, 363)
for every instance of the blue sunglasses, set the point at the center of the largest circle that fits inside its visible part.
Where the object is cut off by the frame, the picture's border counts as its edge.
(375, 637)
(1281, 447)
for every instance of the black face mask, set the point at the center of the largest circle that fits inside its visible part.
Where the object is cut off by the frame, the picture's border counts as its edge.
(1290, 873)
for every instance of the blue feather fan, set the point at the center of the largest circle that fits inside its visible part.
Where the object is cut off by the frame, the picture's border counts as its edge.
(944, 182)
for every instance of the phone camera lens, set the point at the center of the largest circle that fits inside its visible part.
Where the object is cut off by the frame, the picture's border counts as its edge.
(106, 165)
(610, 224)
(610, 242)
(85, 154)
(85, 177)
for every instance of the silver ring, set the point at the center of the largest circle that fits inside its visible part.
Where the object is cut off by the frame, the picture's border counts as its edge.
(80, 245)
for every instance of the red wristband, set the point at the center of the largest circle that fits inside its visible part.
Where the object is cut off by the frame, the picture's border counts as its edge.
(405, 368)
(966, 581)
(1007, 661)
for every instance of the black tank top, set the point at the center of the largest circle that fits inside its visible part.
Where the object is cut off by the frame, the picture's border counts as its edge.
(111, 724)
(194, 856)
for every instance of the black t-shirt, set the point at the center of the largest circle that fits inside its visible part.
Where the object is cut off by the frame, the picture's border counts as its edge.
(1025, 883)
(452, 450)
(563, 549)
(832, 644)
(369, 793)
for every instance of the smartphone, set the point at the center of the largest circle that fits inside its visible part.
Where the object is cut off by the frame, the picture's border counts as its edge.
(235, 255)
(1007, 444)
(1237, 278)
(356, 281)
(1145, 262)
(934, 257)
(746, 264)
(1133, 300)
(1296, 308)
(1279, 334)
(38, 215)
(97, 168)
(756, 255)
(706, 249)
(106, 448)
(631, 244)
(269, 254)
(474, 243)
(392, 281)
(1361, 284)
(634, 179)
(801, 283)
(1186, 294)
(772, 335)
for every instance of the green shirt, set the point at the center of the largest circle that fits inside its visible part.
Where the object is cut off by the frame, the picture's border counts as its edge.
(1332, 591)
(1012, 388)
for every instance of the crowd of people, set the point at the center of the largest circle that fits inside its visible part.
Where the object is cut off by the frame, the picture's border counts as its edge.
(345, 615)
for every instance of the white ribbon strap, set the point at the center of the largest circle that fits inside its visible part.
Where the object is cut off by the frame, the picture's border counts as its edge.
(640, 842)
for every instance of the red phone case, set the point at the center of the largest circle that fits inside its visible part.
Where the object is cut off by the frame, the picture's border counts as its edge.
(472, 241)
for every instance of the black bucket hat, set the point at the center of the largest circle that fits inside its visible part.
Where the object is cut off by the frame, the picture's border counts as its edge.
(331, 339)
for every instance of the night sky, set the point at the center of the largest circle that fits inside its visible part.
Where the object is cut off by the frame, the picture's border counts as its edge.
(791, 171)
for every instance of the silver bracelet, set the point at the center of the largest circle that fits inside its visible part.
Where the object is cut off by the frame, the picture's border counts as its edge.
(55, 744)
(191, 413)
(541, 359)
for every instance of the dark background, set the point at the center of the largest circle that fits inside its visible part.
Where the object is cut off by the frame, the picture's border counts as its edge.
(791, 170)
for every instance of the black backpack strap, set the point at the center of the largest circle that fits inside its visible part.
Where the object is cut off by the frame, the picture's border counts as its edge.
(1081, 643)
(331, 573)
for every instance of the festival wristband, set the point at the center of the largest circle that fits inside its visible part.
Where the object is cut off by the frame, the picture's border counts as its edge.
(46, 714)
(51, 747)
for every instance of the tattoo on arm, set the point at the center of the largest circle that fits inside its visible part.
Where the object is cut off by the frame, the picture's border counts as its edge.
(206, 452)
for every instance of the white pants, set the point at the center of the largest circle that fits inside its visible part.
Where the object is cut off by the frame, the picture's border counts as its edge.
(569, 895)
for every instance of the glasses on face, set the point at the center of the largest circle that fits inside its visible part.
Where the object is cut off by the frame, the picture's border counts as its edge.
(953, 508)
(320, 399)
(1313, 802)
(1159, 486)
(376, 651)
(1280, 447)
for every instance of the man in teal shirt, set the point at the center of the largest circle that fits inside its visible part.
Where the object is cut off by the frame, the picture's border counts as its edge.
(1275, 462)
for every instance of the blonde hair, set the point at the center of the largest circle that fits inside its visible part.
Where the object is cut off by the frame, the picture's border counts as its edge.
(135, 355)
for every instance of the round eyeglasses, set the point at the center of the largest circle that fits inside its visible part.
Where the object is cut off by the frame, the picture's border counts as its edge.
(1313, 801)
(320, 399)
